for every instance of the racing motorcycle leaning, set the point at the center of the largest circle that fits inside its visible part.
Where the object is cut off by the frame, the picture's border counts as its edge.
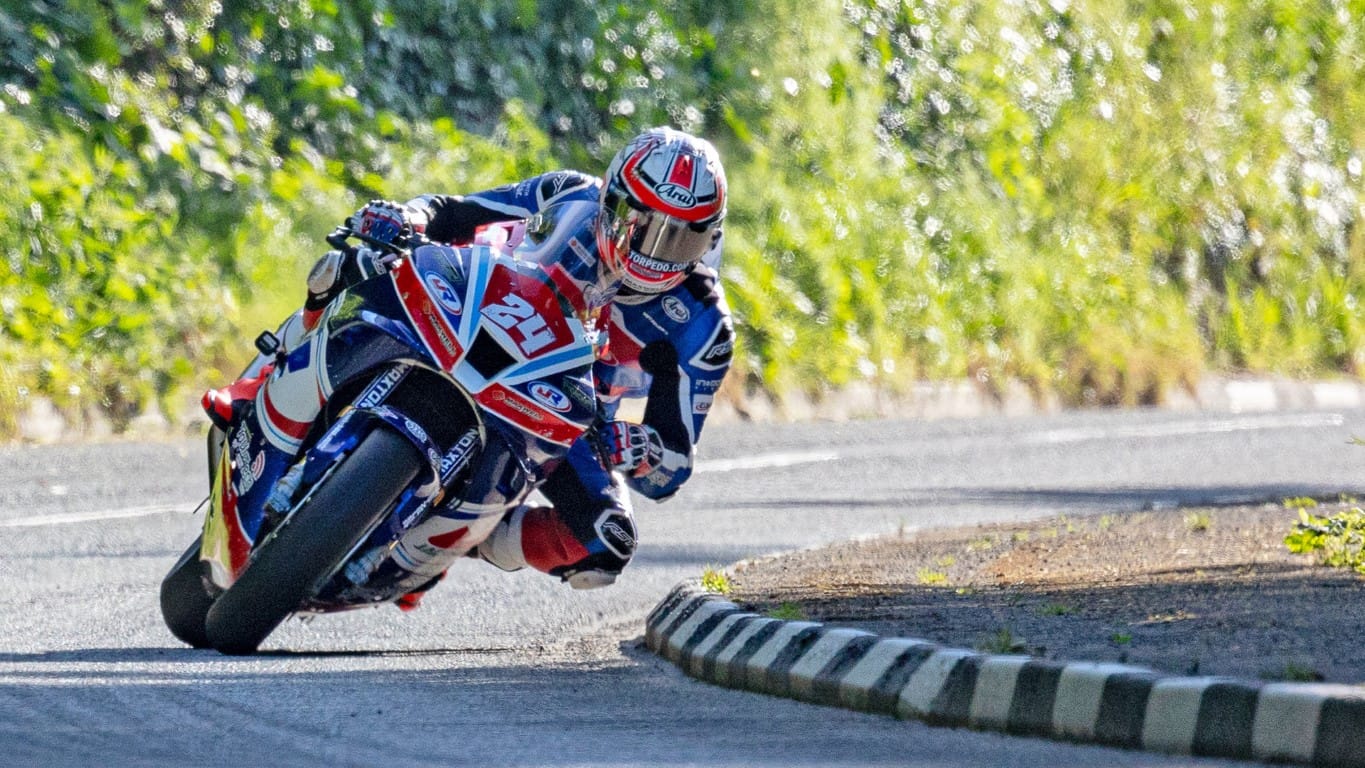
(390, 439)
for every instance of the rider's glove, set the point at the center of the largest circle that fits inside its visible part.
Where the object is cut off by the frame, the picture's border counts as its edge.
(385, 220)
(634, 449)
(338, 270)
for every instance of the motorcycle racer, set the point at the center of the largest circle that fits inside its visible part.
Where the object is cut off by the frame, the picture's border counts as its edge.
(668, 336)
(669, 341)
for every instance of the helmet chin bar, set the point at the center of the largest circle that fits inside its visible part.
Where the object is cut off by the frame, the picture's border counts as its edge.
(640, 278)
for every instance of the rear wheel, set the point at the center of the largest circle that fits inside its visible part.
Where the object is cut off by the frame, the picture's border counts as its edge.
(306, 549)
(185, 602)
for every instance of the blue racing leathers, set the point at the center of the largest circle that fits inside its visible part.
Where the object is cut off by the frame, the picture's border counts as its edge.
(672, 349)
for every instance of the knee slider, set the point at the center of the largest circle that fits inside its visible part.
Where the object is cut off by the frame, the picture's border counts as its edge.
(590, 579)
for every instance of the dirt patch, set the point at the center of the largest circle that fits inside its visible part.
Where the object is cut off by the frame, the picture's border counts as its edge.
(1201, 591)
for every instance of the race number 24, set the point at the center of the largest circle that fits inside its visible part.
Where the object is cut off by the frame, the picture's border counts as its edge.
(526, 327)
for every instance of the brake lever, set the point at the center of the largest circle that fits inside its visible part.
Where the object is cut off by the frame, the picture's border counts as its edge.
(400, 245)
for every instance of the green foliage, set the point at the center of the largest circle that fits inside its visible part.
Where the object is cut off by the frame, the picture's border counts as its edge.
(1005, 641)
(1293, 672)
(788, 612)
(1337, 540)
(1101, 200)
(1198, 521)
(931, 578)
(715, 580)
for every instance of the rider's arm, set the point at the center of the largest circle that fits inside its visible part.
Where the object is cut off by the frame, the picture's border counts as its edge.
(454, 218)
(683, 388)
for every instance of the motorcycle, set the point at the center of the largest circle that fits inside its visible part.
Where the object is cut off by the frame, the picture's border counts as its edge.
(443, 392)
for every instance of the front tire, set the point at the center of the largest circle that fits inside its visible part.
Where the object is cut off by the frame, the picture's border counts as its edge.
(185, 603)
(308, 547)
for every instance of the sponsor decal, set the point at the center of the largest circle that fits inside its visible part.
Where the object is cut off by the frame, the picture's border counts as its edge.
(438, 326)
(523, 408)
(381, 388)
(655, 265)
(717, 352)
(444, 293)
(675, 309)
(702, 404)
(677, 195)
(720, 351)
(457, 455)
(416, 430)
(241, 457)
(614, 529)
(581, 251)
(557, 185)
(707, 385)
(550, 396)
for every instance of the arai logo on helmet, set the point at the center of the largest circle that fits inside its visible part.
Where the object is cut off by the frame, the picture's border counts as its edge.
(444, 293)
(549, 396)
(677, 195)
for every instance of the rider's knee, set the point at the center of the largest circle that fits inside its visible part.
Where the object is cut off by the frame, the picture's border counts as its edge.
(587, 557)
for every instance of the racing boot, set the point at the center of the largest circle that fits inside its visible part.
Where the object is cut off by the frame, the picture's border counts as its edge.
(413, 600)
(224, 404)
(539, 538)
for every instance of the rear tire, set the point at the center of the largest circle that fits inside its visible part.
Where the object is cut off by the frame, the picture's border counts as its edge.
(184, 601)
(305, 550)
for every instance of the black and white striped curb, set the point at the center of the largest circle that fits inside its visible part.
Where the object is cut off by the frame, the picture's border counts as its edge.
(1112, 704)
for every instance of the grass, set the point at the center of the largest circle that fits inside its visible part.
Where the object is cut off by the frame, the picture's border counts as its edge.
(715, 581)
(1120, 638)
(981, 545)
(788, 612)
(1003, 640)
(1336, 540)
(1198, 521)
(931, 578)
(1293, 672)
(1056, 609)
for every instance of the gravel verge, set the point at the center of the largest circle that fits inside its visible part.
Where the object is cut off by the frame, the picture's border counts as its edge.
(1210, 591)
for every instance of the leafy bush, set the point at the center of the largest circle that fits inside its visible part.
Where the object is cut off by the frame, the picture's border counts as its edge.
(1338, 540)
(1102, 200)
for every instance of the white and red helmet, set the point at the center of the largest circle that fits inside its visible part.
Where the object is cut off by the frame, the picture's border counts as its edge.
(664, 200)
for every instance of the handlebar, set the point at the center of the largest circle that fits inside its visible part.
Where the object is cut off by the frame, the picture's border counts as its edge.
(400, 245)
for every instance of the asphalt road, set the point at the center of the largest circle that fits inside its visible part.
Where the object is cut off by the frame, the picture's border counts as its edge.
(515, 669)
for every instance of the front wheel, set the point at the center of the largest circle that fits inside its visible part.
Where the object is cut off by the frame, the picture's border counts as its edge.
(308, 547)
(185, 602)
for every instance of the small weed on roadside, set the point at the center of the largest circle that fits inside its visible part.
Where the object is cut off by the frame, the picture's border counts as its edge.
(1293, 673)
(1120, 638)
(1300, 502)
(930, 578)
(1198, 521)
(714, 580)
(1056, 609)
(1338, 540)
(788, 612)
(1004, 641)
